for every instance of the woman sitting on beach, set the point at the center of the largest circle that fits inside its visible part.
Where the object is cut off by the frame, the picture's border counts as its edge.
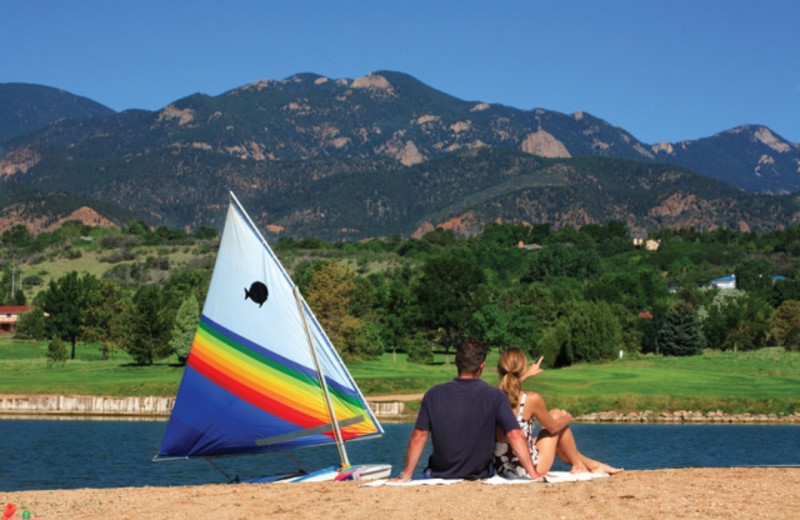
(555, 436)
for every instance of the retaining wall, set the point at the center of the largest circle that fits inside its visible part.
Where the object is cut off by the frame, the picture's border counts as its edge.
(125, 406)
(85, 405)
(162, 406)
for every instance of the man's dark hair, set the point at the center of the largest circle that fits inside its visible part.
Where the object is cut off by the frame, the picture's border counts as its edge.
(469, 355)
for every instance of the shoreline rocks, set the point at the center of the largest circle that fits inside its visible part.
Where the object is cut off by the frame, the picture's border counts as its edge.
(686, 416)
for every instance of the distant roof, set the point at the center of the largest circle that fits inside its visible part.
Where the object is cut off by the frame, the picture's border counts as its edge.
(732, 278)
(724, 279)
(14, 309)
(529, 247)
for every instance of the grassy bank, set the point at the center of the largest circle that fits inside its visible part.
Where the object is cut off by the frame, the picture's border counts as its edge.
(24, 370)
(763, 381)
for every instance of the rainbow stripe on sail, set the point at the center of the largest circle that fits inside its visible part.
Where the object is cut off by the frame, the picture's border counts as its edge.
(273, 383)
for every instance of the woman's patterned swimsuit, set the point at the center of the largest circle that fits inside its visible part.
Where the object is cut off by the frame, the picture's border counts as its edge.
(506, 464)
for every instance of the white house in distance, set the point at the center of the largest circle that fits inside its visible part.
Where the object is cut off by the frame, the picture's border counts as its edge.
(9, 315)
(649, 245)
(729, 282)
(726, 282)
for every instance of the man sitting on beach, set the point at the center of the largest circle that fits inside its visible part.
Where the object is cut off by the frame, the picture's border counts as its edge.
(462, 415)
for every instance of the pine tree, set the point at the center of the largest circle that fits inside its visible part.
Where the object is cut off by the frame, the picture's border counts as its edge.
(149, 326)
(784, 325)
(104, 318)
(682, 332)
(185, 326)
(66, 301)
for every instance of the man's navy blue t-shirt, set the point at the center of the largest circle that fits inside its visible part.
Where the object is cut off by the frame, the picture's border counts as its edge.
(461, 416)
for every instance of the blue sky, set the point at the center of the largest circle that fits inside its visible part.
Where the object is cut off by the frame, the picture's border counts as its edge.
(664, 71)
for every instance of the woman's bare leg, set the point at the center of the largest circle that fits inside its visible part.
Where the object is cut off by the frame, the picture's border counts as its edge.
(546, 445)
(567, 450)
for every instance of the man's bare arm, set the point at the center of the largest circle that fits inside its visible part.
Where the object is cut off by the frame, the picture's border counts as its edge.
(416, 443)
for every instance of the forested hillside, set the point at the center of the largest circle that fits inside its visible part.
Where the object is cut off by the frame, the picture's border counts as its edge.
(572, 295)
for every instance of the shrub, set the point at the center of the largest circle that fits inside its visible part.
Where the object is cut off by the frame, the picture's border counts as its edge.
(56, 351)
(31, 325)
(72, 254)
(419, 349)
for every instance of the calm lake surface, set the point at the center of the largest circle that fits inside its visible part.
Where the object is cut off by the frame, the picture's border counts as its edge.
(70, 454)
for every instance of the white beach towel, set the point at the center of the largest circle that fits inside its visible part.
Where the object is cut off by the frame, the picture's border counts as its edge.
(498, 480)
(552, 477)
(565, 476)
(418, 482)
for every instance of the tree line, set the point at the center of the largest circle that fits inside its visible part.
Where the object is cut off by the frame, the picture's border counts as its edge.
(571, 295)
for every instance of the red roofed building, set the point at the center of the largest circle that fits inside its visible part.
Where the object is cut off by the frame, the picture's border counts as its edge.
(9, 314)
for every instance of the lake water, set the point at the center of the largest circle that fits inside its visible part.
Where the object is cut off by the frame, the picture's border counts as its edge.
(69, 454)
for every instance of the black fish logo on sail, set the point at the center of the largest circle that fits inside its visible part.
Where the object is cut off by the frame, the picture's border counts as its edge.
(258, 293)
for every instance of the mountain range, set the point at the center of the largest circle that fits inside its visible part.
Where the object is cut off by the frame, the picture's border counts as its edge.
(375, 156)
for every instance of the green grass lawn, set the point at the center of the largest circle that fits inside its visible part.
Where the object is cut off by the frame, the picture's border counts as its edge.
(767, 380)
(24, 370)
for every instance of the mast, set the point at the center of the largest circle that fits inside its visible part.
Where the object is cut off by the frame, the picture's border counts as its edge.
(336, 430)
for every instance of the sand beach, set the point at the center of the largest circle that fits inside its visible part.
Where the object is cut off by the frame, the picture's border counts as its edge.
(740, 493)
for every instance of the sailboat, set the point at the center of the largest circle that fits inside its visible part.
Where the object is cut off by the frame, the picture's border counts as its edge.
(262, 376)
